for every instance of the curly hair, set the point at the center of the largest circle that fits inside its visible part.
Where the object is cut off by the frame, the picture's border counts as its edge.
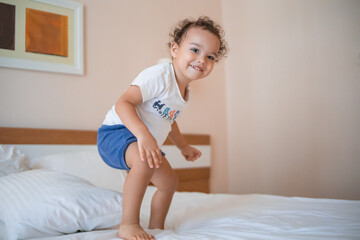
(204, 23)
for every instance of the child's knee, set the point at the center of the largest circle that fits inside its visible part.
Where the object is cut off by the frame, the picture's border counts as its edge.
(171, 184)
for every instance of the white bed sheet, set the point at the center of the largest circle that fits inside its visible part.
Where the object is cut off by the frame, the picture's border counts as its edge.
(253, 216)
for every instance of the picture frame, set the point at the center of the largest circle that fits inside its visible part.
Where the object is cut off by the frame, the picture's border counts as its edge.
(20, 57)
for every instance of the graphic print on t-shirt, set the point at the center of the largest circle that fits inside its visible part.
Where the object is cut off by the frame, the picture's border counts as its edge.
(165, 111)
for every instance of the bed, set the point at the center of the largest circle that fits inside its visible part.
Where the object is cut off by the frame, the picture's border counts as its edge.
(54, 186)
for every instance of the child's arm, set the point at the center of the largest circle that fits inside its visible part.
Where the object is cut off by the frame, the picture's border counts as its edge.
(190, 153)
(125, 108)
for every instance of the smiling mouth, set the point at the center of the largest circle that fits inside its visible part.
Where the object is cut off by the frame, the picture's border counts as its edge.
(196, 68)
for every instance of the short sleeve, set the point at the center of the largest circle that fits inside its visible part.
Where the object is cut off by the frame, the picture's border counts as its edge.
(152, 82)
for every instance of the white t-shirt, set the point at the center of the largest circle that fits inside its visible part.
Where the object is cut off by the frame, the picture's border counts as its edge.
(162, 101)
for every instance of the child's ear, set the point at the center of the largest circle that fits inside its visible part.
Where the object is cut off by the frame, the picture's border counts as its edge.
(174, 48)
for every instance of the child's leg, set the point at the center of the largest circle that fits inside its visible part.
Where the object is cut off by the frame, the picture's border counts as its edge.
(134, 190)
(166, 182)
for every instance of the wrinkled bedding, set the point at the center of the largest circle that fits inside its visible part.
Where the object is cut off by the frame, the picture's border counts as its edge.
(253, 216)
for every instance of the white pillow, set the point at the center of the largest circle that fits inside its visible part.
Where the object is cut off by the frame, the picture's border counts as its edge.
(85, 164)
(11, 160)
(40, 203)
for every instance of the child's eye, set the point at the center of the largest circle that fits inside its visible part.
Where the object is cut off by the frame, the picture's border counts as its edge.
(195, 50)
(211, 58)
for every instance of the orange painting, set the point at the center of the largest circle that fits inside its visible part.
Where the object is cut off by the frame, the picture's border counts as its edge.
(46, 33)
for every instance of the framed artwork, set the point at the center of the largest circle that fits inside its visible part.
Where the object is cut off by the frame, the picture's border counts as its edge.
(44, 35)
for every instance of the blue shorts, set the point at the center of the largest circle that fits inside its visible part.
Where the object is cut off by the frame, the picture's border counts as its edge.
(112, 143)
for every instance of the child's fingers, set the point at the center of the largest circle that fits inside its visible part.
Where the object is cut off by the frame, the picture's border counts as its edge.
(156, 159)
(158, 151)
(195, 155)
(142, 155)
(190, 158)
(151, 164)
(149, 159)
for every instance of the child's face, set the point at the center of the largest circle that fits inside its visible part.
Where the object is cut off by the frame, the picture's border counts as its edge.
(195, 57)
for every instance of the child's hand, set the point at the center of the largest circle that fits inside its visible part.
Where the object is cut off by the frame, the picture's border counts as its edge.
(149, 150)
(190, 153)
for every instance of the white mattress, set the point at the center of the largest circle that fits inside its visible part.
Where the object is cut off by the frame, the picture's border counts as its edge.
(254, 216)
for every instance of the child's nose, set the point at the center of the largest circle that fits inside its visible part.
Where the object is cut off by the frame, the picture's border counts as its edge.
(201, 59)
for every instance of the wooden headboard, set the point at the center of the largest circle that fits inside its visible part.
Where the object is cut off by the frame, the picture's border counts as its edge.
(190, 179)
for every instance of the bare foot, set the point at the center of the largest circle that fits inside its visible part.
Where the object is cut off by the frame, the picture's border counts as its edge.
(133, 232)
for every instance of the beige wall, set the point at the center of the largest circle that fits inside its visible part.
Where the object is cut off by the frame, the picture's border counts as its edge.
(293, 93)
(121, 39)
